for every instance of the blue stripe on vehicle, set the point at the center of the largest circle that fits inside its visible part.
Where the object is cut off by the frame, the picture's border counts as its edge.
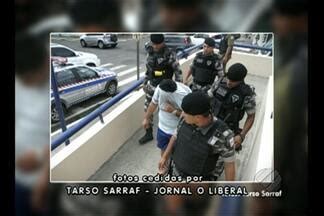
(86, 84)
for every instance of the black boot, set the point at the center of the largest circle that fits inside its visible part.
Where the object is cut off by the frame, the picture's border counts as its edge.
(147, 137)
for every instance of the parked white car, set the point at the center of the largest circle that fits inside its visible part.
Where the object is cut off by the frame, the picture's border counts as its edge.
(74, 57)
(101, 40)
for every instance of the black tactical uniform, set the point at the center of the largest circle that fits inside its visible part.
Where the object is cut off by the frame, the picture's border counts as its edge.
(230, 104)
(196, 149)
(160, 65)
(205, 67)
(204, 70)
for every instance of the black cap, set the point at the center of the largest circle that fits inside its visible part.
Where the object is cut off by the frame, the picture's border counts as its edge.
(196, 103)
(236, 72)
(168, 85)
(157, 38)
(210, 42)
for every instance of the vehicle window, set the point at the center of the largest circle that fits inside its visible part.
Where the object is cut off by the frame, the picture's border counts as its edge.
(65, 77)
(85, 73)
(62, 52)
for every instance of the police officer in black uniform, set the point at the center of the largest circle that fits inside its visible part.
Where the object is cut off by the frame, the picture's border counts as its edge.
(205, 67)
(200, 140)
(231, 98)
(161, 64)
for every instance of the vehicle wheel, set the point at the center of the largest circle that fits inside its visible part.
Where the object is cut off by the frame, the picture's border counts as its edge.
(83, 43)
(111, 88)
(55, 114)
(101, 45)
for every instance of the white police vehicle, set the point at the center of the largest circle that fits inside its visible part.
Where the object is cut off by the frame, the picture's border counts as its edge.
(78, 83)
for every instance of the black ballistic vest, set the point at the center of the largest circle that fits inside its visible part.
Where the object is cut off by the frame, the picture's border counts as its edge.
(228, 103)
(204, 72)
(159, 67)
(192, 154)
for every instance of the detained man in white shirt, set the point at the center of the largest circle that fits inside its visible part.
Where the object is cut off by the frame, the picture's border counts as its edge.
(167, 97)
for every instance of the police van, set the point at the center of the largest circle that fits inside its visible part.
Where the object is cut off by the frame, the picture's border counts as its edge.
(77, 83)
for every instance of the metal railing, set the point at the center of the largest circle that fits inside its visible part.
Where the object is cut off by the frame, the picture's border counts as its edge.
(182, 54)
(251, 47)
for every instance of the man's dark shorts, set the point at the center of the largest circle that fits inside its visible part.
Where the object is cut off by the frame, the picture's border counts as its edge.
(162, 139)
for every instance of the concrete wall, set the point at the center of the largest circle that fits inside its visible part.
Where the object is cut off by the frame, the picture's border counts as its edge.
(84, 156)
(261, 151)
(256, 64)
